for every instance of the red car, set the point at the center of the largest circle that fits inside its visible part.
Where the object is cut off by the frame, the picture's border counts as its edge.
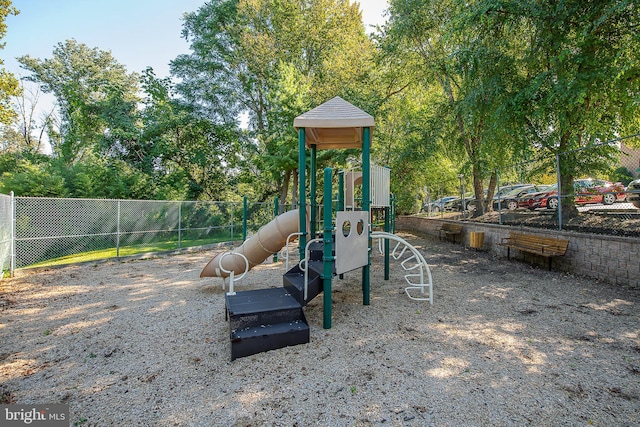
(587, 190)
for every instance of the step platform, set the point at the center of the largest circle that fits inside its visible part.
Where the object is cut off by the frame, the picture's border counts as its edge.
(293, 281)
(264, 319)
(258, 339)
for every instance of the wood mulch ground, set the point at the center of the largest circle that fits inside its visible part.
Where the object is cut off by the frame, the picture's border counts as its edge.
(145, 342)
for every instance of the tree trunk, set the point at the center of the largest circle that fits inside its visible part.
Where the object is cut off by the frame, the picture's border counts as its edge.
(284, 190)
(491, 191)
(566, 192)
(294, 189)
(565, 186)
(478, 191)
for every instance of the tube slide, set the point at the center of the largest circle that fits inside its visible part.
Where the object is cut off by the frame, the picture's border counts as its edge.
(267, 241)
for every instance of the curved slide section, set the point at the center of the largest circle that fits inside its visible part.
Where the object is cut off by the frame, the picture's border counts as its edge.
(267, 241)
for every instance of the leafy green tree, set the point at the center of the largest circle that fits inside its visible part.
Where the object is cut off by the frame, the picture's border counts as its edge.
(582, 82)
(574, 77)
(273, 60)
(197, 156)
(28, 131)
(29, 174)
(9, 86)
(424, 32)
(96, 97)
(526, 76)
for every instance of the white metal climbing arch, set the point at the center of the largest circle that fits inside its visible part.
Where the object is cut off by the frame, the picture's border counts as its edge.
(414, 263)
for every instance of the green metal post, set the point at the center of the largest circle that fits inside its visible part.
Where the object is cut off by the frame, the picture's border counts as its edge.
(276, 212)
(366, 203)
(340, 206)
(327, 254)
(313, 183)
(393, 213)
(244, 218)
(302, 200)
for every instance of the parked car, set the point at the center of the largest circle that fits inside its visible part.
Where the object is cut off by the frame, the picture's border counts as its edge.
(455, 205)
(452, 205)
(470, 201)
(633, 193)
(586, 191)
(437, 205)
(510, 200)
(591, 190)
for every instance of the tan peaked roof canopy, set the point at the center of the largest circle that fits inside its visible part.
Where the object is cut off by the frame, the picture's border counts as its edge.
(334, 124)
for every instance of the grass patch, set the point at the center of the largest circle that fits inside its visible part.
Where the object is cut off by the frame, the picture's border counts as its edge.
(125, 251)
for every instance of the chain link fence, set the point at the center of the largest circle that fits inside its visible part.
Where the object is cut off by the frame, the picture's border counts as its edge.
(605, 182)
(49, 229)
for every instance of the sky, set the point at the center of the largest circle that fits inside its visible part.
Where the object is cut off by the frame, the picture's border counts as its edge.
(139, 33)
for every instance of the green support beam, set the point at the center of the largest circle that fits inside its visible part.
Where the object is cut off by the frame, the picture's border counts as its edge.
(327, 255)
(313, 184)
(302, 199)
(366, 206)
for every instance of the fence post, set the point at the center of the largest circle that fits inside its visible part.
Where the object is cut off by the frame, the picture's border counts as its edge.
(244, 218)
(232, 212)
(12, 262)
(559, 192)
(118, 232)
(179, 224)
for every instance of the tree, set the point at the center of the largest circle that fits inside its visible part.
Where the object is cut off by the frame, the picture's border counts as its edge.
(95, 94)
(425, 32)
(27, 133)
(582, 83)
(273, 60)
(525, 76)
(9, 86)
(194, 154)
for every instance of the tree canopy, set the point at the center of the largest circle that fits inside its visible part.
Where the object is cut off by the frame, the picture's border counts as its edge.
(456, 89)
(9, 86)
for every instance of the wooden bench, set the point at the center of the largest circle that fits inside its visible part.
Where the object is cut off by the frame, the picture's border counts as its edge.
(548, 247)
(451, 230)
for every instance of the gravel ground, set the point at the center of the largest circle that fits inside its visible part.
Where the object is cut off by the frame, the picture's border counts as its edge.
(144, 342)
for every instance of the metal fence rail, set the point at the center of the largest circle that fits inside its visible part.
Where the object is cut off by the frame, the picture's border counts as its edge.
(43, 229)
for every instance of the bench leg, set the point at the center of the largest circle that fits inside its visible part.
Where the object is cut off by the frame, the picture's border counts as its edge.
(508, 253)
(550, 259)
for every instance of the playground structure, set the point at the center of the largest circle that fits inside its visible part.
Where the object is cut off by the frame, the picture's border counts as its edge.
(267, 319)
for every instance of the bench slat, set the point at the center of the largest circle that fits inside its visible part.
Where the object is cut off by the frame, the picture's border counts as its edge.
(539, 245)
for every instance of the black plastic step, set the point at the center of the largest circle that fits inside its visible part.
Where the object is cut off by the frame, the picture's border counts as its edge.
(316, 250)
(261, 307)
(293, 281)
(253, 340)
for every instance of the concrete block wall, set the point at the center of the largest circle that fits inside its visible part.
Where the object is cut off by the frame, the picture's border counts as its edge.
(611, 259)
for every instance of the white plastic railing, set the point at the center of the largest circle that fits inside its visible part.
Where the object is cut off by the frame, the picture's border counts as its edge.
(414, 261)
(232, 277)
(306, 266)
(284, 253)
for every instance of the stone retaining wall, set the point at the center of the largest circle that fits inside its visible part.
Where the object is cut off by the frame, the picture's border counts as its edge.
(608, 258)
